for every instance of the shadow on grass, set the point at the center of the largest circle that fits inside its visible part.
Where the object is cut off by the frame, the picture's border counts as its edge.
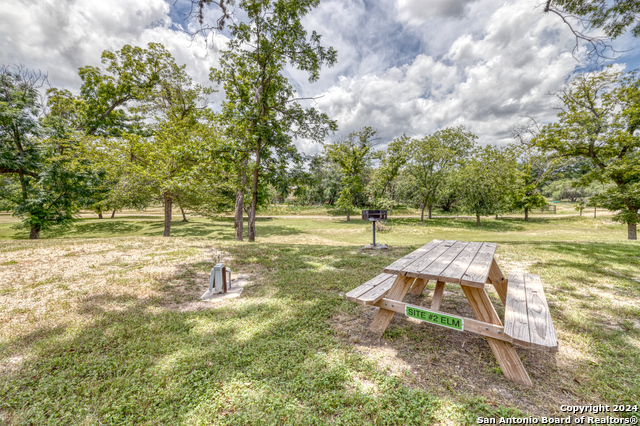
(107, 228)
(221, 228)
(595, 258)
(220, 231)
(263, 359)
(492, 225)
(141, 216)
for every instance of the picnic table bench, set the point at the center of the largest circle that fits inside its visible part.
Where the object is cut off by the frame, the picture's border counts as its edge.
(527, 320)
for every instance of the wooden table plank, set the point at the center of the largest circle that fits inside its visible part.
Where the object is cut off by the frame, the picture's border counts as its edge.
(432, 272)
(516, 323)
(413, 270)
(478, 271)
(455, 271)
(378, 292)
(471, 325)
(542, 333)
(437, 296)
(418, 286)
(397, 266)
(504, 352)
(398, 291)
(499, 281)
(372, 283)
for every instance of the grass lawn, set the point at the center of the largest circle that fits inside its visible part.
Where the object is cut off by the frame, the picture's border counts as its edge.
(561, 208)
(101, 324)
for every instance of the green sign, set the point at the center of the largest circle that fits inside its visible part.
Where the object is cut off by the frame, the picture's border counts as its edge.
(432, 317)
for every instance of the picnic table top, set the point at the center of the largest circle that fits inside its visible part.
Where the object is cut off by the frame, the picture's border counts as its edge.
(467, 263)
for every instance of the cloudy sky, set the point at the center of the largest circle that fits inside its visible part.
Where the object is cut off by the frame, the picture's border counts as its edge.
(404, 66)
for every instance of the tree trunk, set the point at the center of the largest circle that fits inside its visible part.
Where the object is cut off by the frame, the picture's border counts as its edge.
(422, 213)
(254, 196)
(113, 213)
(184, 216)
(100, 215)
(35, 232)
(240, 203)
(349, 215)
(497, 216)
(594, 211)
(239, 217)
(631, 228)
(168, 203)
(478, 220)
(526, 214)
(430, 207)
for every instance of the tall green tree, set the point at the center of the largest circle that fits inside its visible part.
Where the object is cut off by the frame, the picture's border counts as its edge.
(170, 164)
(599, 121)
(110, 95)
(118, 98)
(322, 182)
(43, 178)
(383, 183)
(261, 107)
(431, 158)
(489, 179)
(449, 193)
(535, 167)
(354, 156)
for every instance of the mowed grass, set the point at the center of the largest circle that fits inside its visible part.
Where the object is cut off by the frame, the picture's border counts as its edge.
(400, 230)
(101, 324)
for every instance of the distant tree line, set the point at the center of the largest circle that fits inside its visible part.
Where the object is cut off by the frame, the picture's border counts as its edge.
(446, 169)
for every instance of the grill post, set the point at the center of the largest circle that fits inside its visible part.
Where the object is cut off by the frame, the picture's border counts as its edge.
(224, 279)
(374, 233)
(374, 216)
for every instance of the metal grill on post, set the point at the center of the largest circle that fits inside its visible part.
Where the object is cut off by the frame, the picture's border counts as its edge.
(374, 216)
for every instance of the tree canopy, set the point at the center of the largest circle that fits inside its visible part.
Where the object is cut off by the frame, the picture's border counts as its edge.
(262, 109)
(353, 156)
(489, 179)
(41, 173)
(599, 120)
(431, 158)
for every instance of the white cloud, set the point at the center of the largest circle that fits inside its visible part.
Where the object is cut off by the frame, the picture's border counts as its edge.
(416, 12)
(487, 82)
(404, 66)
(60, 36)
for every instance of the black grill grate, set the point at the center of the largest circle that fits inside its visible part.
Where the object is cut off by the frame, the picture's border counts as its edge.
(373, 215)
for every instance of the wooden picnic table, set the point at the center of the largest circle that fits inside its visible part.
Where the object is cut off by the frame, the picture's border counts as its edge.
(471, 265)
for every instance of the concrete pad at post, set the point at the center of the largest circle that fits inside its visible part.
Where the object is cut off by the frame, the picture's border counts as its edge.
(376, 247)
(235, 291)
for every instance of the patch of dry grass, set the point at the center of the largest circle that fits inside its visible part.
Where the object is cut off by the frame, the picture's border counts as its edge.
(46, 284)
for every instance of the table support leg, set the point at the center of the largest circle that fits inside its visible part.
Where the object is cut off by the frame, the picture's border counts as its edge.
(418, 286)
(398, 291)
(504, 352)
(499, 282)
(437, 296)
